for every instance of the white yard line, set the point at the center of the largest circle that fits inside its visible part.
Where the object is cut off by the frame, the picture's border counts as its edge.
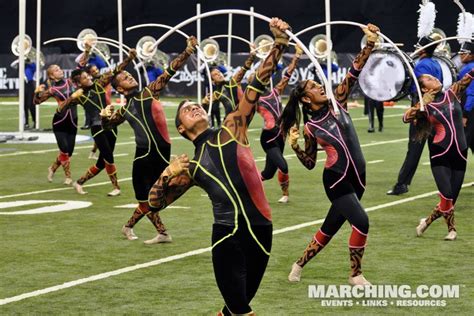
(191, 253)
(375, 161)
(60, 189)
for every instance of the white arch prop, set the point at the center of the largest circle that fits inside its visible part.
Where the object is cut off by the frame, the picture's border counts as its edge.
(439, 41)
(402, 55)
(264, 18)
(200, 55)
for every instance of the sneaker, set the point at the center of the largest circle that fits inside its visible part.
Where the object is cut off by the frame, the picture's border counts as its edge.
(50, 174)
(398, 189)
(67, 181)
(93, 156)
(359, 280)
(114, 192)
(371, 130)
(420, 229)
(452, 235)
(380, 128)
(79, 188)
(85, 127)
(283, 199)
(159, 239)
(295, 274)
(128, 232)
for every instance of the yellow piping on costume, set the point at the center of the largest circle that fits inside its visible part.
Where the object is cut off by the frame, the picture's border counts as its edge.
(238, 196)
(236, 226)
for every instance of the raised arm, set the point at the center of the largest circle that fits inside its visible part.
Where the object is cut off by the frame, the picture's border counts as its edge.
(460, 86)
(73, 99)
(307, 156)
(41, 94)
(173, 182)
(247, 65)
(238, 121)
(291, 68)
(107, 77)
(84, 57)
(111, 118)
(341, 93)
(156, 86)
(414, 112)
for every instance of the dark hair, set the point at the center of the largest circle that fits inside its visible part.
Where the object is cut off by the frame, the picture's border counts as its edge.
(422, 124)
(291, 114)
(177, 120)
(115, 82)
(76, 75)
(89, 67)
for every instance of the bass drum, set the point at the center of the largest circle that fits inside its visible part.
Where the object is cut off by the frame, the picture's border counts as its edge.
(385, 76)
(447, 67)
(449, 70)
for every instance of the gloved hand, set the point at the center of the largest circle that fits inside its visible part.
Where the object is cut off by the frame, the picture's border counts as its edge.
(299, 50)
(132, 54)
(108, 111)
(278, 28)
(191, 43)
(77, 94)
(293, 136)
(428, 97)
(178, 165)
(371, 32)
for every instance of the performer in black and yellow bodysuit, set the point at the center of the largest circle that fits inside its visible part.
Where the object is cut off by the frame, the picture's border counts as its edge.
(94, 100)
(225, 168)
(144, 112)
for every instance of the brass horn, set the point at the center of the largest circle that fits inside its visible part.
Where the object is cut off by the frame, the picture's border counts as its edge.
(146, 48)
(263, 44)
(320, 47)
(443, 47)
(27, 44)
(210, 49)
(380, 41)
(88, 36)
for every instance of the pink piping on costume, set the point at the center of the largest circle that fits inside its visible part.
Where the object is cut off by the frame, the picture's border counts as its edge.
(343, 147)
(353, 227)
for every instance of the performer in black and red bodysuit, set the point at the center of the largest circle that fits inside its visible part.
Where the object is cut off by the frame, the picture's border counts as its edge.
(94, 100)
(64, 119)
(272, 140)
(344, 171)
(145, 114)
(448, 147)
(224, 167)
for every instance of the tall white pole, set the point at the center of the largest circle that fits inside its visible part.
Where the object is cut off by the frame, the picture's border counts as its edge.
(252, 25)
(120, 37)
(329, 44)
(21, 68)
(38, 54)
(198, 71)
(229, 40)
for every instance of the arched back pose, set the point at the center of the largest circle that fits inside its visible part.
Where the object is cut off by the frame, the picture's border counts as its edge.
(146, 116)
(64, 119)
(344, 171)
(225, 168)
(94, 100)
(447, 144)
(272, 140)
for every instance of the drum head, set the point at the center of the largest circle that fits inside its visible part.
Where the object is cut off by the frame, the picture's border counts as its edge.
(449, 70)
(384, 76)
